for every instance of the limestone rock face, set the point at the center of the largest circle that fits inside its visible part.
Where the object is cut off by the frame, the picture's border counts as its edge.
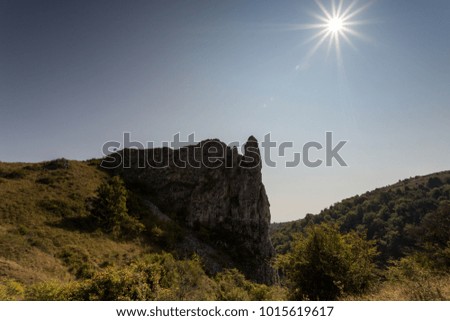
(210, 186)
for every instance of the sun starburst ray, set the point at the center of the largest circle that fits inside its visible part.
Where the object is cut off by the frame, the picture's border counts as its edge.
(330, 45)
(312, 26)
(357, 11)
(339, 9)
(355, 34)
(322, 33)
(348, 41)
(324, 10)
(333, 9)
(335, 23)
(348, 10)
(317, 46)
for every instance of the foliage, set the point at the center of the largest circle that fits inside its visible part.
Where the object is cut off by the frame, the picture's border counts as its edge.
(45, 230)
(78, 262)
(181, 279)
(109, 209)
(232, 286)
(418, 281)
(409, 222)
(156, 277)
(50, 291)
(12, 174)
(51, 250)
(10, 290)
(325, 264)
(60, 163)
(402, 218)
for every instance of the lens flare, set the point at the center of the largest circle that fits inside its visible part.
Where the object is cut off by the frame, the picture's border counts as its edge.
(335, 25)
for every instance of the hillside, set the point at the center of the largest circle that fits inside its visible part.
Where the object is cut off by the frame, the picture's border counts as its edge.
(52, 248)
(43, 231)
(392, 243)
(406, 217)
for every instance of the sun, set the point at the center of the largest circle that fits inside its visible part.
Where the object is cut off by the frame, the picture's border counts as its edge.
(335, 24)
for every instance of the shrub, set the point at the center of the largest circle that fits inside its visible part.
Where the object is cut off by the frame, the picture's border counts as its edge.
(179, 279)
(434, 182)
(233, 286)
(11, 290)
(417, 280)
(324, 264)
(109, 209)
(60, 163)
(155, 277)
(113, 284)
(51, 291)
(13, 174)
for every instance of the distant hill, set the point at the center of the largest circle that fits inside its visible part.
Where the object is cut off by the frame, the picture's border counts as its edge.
(412, 215)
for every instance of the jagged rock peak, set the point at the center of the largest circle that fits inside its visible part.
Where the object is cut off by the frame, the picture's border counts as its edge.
(228, 201)
(252, 155)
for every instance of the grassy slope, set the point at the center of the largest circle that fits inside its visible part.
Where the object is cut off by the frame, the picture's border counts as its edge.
(50, 250)
(44, 234)
(41, 223)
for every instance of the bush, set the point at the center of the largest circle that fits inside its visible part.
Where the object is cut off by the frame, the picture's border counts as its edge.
(434, 182)
(179, 279)
(232, 286)
(155, 277)
(60, 163)
(13, 174)
(50, 291)
(113, 284)
(417, 280)
(324, 264)
(11, 290)
(109, 209)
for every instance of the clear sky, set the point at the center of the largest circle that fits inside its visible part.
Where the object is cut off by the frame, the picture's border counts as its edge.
(75, 74)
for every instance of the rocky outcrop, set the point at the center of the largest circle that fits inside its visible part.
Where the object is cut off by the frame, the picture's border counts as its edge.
(209, 186)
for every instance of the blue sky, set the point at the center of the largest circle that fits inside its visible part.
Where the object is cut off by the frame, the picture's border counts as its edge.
(75, 74)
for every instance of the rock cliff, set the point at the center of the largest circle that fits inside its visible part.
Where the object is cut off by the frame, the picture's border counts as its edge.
(209, 186)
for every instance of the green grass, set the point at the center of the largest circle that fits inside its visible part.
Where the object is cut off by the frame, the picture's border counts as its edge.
(50, 248)
(42, 211)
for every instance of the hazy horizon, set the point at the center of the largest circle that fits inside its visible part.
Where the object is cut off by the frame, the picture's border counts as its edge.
(74, 75)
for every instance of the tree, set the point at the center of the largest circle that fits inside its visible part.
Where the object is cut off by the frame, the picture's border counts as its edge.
(436, 225)
(324, 264)
(110, 211)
